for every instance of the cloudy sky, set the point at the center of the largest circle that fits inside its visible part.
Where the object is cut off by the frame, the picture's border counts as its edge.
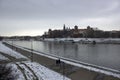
(33, 17)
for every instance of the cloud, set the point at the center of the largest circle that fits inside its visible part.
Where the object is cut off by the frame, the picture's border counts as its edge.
(41, 9)
(111, 8)
(17, 15)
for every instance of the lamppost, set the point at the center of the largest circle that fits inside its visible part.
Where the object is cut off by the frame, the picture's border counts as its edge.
(63, 70)
(31, 51)
(12, 44)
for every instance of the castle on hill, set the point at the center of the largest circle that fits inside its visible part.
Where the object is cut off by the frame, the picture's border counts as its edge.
(88, 32)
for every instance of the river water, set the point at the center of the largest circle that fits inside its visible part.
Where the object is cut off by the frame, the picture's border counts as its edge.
(105, 55)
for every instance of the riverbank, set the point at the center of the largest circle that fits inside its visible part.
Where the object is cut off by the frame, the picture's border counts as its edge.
(73, 72)
(86, 40)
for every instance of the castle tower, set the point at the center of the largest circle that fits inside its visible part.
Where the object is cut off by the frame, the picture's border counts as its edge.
(76, 27)
(64, 28)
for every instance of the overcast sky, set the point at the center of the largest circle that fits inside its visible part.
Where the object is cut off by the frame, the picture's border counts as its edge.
(33, 17)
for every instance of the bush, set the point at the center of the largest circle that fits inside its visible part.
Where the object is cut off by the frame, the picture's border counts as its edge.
(6, 73)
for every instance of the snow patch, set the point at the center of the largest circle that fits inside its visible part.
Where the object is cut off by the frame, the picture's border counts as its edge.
(16, 71)
(3, 58)
(10, 52)
(28, 73)
(45, 73)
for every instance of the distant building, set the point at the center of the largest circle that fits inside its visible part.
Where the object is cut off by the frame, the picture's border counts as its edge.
(89, 32)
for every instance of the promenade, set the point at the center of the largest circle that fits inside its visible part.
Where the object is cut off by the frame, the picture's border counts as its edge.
(72, 72)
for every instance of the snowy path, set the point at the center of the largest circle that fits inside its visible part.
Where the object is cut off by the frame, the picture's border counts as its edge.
(16, 71)
(10, 52)
(35, 71)
(28, 73)
(44, 72)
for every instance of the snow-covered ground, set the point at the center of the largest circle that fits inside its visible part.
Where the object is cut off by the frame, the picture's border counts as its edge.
(3, 58)
(41, 72)
(28, 73)
(16, 71)
(4, 49)
(45, 73)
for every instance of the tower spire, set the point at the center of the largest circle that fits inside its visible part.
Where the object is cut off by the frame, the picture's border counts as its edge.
(64, 27)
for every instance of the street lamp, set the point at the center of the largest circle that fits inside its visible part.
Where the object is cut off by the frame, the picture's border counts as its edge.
(31, 51)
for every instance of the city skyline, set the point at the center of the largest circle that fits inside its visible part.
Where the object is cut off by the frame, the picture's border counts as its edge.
(28, 17)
